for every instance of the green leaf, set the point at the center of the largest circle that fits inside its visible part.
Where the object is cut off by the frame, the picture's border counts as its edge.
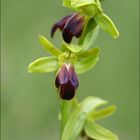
(97, 132)
(78, 117)
(93, 52)
(106, 24)
(90, 34)
(85, 64)
(100, 114)
(49, 47)
(43, 65)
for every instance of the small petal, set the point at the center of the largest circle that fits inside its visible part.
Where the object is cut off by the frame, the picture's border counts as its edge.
(59, 24)
(73, 77)
(73, 27)
(67, 91)
(62, 76)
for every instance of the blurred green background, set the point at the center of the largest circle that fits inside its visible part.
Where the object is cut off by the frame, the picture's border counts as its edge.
(29, 103)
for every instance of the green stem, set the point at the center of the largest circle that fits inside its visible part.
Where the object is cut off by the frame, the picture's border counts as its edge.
(66, 109)
(65, 112)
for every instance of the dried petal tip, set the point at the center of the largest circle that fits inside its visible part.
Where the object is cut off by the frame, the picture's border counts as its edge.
(67, 82)
(71, 25)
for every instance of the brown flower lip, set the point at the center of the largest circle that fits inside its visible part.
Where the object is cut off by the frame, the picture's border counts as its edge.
(67, 81)
(71, 25)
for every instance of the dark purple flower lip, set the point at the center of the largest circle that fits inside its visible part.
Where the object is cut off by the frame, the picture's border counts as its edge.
(67, 81)
(71, 25)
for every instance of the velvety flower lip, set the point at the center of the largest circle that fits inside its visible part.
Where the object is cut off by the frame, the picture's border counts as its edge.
(71, 25)
(59, 25)
(67, 81)
(67, 91)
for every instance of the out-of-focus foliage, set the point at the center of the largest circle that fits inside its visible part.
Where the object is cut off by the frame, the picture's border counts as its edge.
(29, 102)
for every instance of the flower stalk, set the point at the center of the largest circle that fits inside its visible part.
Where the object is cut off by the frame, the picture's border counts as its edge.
(74, 59)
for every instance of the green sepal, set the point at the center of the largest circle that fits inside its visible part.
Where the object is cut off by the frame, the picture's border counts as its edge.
(106, 24)
(98, 3)
(91, 103)
(78, 117)
(43, 65)
(85, 7)
(90, 34)
(67, 3)
(73, 47)
(85, 64)
(80, 3)
(87, 10)
(93, 52)
(103, 113)
(64, 47)
(97, 132)
(49, 47)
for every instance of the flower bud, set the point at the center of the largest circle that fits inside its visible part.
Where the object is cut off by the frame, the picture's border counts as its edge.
(67, 81)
